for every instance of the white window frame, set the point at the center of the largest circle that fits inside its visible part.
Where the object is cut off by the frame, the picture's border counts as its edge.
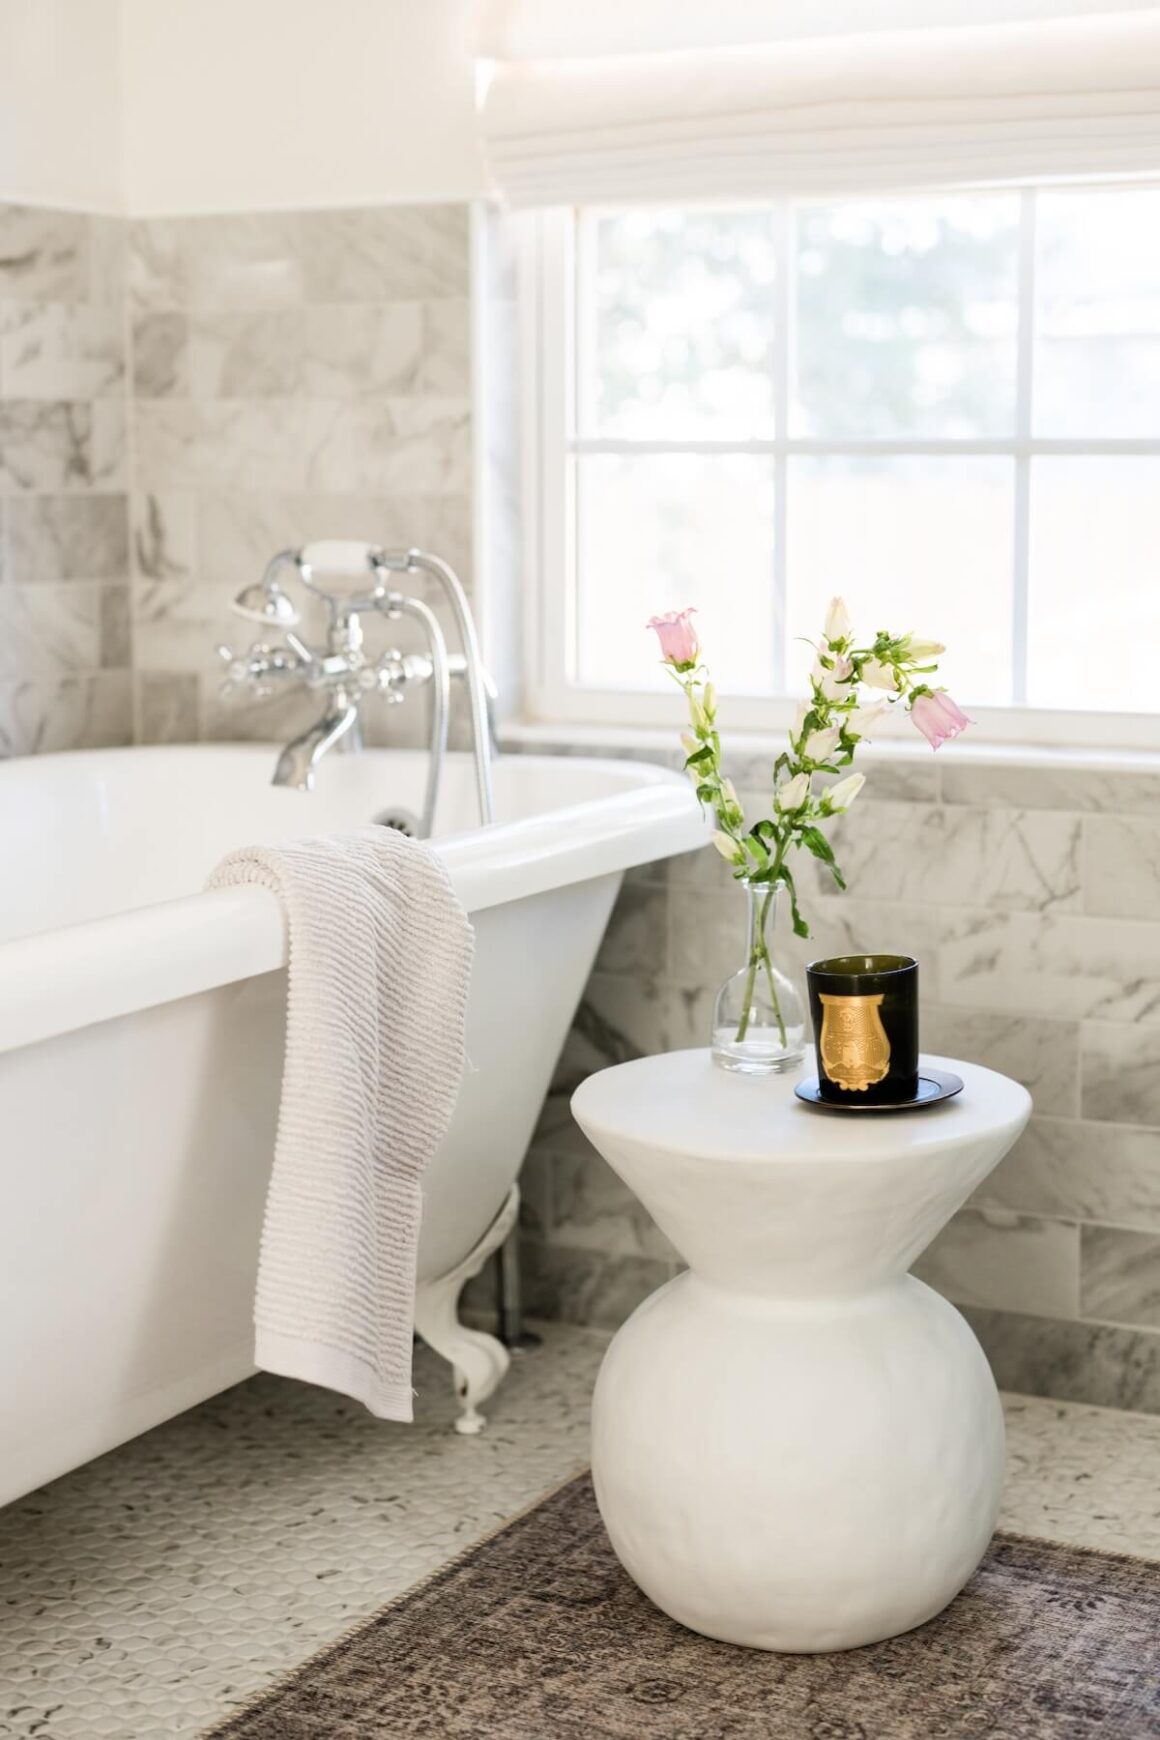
(552, 696)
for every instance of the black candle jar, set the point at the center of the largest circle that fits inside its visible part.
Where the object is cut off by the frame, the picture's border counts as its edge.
(865, 1015)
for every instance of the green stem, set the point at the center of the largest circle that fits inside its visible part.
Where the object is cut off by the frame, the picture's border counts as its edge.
(747, 999)
(773, 996)
(759, 956)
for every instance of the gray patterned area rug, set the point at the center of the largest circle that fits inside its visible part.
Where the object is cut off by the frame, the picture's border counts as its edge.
(537, 1634)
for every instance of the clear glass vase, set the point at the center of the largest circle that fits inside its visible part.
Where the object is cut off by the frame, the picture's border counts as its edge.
(759, 1019)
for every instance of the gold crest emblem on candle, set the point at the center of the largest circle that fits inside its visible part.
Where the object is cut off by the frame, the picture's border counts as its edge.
(855, 1050)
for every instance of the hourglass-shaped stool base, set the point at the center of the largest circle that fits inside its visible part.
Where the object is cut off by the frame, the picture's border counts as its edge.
(796, 1445)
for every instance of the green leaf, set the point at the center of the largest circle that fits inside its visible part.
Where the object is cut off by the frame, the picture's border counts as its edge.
(800, 927)
(816, 842)
(755, 846)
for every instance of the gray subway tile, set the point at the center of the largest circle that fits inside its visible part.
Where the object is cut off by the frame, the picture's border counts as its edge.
(1121, 1073)
(176, 627)
(156, 264)
(901, 779)
(1073, 1361)
(1122, 866)
(236, 354)
(593, 1210)
(51, 350)
(161, 354)
(46, 446)
(108, 250)
(1040, 1053)
(242, 259)
(226, 445)
(705, 870)
(1130, 788)
(410, 446)
(706, 937)
(349, 350)
(445, 363)
(387, 253)
(448, 531)
(164, 534)
(67, 712)
(904, 780)
(48, 630)
(1006, 1261)
(234, 260)
(167, 707)
(1081, 1171)
(638, 1015)
(1120, 1276)
(587, 1287)
(940, 855)
(115, 634)
(66, 537)
(44, 255)
(635, 938)
(536, 1195)
(109, 444)
(377, 444)
(1061, 965)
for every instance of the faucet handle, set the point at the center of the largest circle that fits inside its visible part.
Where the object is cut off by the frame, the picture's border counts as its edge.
(237, 675)
(251, 670)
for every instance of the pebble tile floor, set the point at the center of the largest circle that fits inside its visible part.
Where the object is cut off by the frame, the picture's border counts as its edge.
(155, 1590)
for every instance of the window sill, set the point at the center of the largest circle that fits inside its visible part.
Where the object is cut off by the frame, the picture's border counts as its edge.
(651, 741)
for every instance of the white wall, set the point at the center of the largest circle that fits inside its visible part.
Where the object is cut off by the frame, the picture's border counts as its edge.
(242, 105)
(526, 29)
(60, 104)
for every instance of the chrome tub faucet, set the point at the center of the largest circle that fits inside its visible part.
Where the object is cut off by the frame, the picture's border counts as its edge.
(363, 578)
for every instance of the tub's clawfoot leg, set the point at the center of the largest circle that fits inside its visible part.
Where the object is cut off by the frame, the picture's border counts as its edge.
(479, 1362)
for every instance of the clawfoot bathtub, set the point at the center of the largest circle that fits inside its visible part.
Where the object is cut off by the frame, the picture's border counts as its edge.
(141, 1033)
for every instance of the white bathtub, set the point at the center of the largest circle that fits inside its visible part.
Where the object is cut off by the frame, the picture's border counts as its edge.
(141, 1031)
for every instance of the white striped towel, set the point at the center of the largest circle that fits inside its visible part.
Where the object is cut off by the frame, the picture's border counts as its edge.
(380, 962)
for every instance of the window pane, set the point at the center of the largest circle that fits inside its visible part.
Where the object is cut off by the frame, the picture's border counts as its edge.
(657, 533)
(906, 317)
(675, 325)
(1097, 360)
(1094, 618)
(921, 544)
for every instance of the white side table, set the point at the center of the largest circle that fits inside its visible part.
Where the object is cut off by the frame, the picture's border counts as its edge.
(796, 1445)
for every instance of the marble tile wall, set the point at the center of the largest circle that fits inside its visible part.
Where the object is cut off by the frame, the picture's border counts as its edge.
(295, 375)
(1031, 900)
(65, 629)
(180, 398)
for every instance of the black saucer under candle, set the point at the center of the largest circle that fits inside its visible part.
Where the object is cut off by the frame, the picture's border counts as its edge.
(865, 1016)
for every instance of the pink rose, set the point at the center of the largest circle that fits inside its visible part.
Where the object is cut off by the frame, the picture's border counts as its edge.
(938, 718)
(679, 644)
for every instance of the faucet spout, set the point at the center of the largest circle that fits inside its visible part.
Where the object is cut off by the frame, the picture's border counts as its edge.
(298, 760)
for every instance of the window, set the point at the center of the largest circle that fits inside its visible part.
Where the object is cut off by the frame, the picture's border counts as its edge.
(945, 407)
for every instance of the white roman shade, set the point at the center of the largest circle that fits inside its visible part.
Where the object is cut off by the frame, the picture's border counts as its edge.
(762, 98)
